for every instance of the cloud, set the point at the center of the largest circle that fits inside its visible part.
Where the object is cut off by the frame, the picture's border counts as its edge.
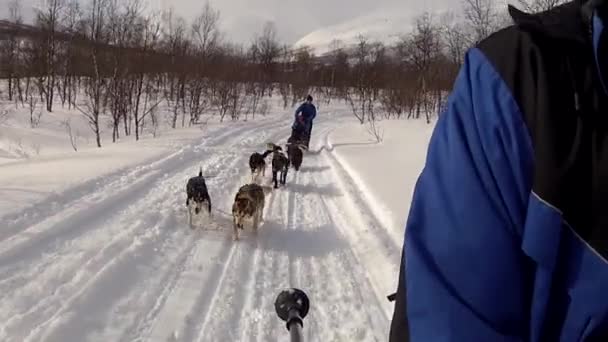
(294, 19)
(241, 19)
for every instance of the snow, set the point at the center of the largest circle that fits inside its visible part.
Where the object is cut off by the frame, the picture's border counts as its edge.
(384, 24)
(95, 244)
(377, 26)
(38, 162)
(386, 172)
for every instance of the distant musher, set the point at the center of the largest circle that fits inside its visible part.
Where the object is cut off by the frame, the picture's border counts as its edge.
(302, 126)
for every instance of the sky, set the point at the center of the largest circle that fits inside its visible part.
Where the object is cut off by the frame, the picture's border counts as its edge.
(294, 19)
(241, 19)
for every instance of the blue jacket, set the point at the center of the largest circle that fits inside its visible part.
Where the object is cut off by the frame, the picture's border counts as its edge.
(507, 235)
(308, 110)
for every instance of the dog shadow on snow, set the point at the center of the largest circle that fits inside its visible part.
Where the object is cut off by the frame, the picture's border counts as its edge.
(299, 242)
(325, 190)
(312, 169)
(305, 241)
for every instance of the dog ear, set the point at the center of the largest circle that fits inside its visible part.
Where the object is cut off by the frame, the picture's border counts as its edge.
(200, 172)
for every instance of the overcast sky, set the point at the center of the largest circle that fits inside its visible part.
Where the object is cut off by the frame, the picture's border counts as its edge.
(295, 18)
(241, 19)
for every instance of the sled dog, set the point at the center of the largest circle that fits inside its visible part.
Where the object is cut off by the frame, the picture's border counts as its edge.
(280, 164)
(257, 164)
(248, 204)
(295, 155)
(198, 196)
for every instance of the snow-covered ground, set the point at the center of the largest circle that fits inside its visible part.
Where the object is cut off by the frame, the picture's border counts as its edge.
(385, 172)
(99, 249)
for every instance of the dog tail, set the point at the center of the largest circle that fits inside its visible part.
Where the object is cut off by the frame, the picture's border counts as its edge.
(200, 172)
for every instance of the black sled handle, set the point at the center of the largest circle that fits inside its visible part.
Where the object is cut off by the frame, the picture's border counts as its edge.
(292, 306)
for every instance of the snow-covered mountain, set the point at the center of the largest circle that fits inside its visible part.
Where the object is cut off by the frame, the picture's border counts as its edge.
(383, 25)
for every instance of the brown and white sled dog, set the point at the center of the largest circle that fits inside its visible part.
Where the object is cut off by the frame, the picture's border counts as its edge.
(248, 205)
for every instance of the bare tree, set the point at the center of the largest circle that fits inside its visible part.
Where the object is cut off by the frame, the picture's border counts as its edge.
(301, 74)
(177, 46)
(35, 115)
(72, 23)
(205, 37)
(482, 18)
(95, 85)
(539, 5)
(373, 128)
(361, 94)
(144, 98)
(454, 38)
(67, 125)
(49, 21)
(424, 50)
(205, 31)
(121, 23)
(4, 114)
(9, 48)
(265, 51)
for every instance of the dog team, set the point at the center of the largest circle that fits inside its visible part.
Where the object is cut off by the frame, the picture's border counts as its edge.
(250, 198)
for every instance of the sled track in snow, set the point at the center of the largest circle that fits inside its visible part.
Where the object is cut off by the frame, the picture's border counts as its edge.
(14, 223)
(284, 255)
(117, 262)
(39, 249)
(86, 210)
(376, 250)
(175, 320)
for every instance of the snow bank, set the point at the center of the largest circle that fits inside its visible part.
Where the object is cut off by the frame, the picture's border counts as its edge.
(385, 172)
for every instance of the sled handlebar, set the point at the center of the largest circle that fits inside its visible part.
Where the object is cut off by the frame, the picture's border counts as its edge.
(292, 306)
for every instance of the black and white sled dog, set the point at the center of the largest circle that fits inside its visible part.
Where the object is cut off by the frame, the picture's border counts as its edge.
(280, 165)
(294, 154)
(257, 164)
(198, 197)
(248, 205)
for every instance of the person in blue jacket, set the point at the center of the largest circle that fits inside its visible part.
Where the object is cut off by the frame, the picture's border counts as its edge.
(304, 116)
(507, 234)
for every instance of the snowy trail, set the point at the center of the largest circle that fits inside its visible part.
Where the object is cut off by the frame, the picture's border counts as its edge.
(116, 261)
